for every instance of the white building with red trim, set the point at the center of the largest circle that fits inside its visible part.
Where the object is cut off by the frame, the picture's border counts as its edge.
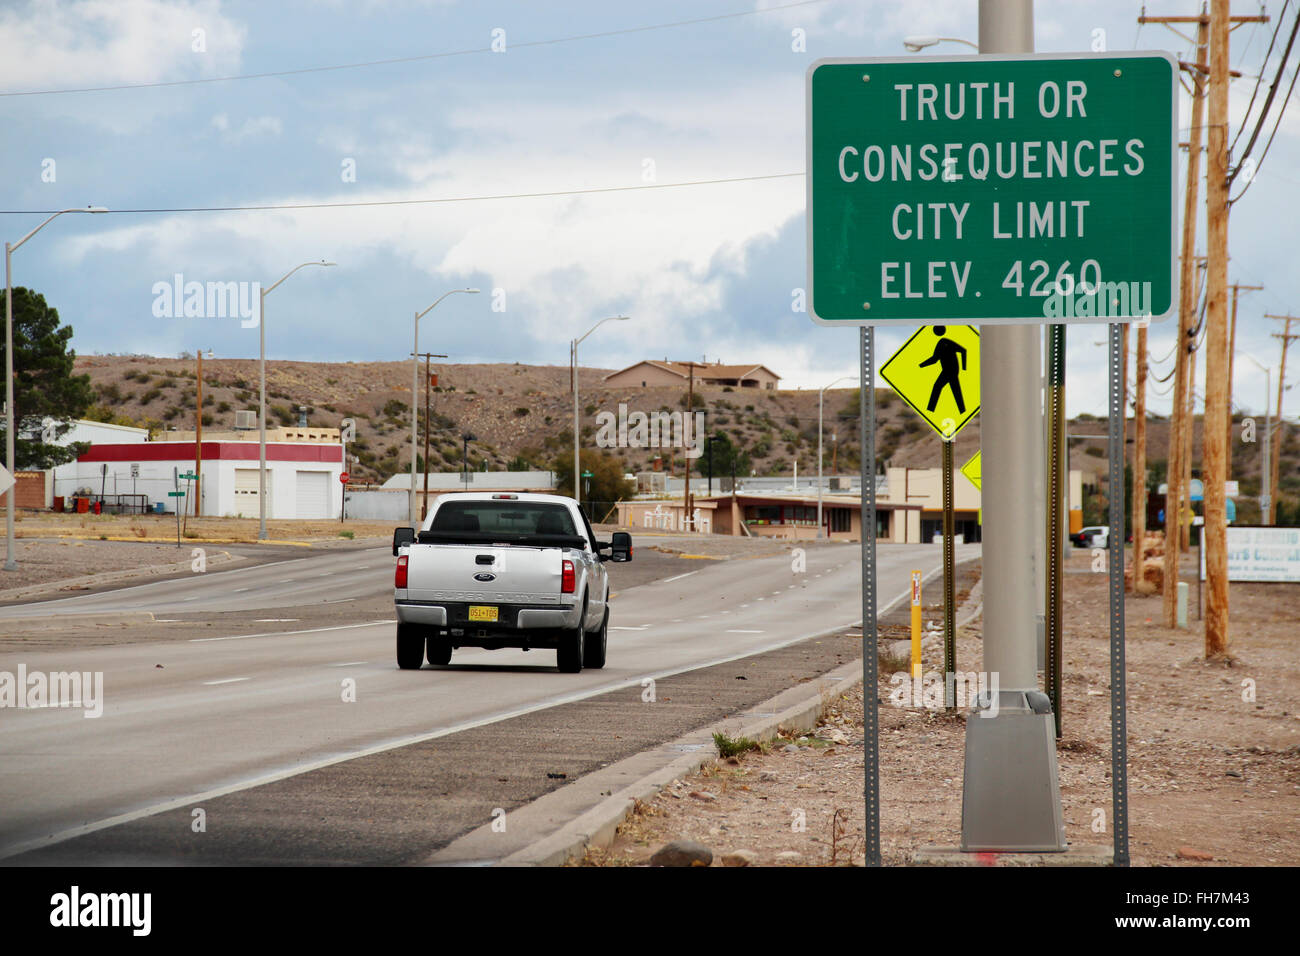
(302, 478)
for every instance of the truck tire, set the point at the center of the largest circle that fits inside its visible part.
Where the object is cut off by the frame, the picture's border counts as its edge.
(593, 650)
(438, 649)
(410, 647)
(569, 652)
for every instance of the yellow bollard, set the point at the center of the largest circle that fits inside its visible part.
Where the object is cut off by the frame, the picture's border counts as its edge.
(916, 625)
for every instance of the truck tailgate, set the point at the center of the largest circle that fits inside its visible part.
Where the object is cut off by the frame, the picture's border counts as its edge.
(490, 575)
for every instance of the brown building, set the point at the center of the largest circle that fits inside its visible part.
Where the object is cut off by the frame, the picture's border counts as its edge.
(652, 372)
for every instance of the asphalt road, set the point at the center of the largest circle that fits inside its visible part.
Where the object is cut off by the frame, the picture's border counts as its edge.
(233, 717)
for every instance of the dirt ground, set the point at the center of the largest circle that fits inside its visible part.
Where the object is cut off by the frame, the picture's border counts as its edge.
(1214, 753)
(162, 528)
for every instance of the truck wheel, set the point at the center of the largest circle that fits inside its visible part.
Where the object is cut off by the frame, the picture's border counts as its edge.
(410, 647)
(568, 655)
(593, 652)
(438, 649)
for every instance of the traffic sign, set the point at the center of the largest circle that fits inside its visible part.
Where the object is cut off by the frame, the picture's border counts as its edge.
(972, 471)
(175, 494)
(343, 477)
(937, 372)
(1015, 189)
(6, 479)
(187, 476)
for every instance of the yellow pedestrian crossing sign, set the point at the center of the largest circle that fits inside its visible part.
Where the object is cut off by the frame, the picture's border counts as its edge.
(972, 471)
(937, 372)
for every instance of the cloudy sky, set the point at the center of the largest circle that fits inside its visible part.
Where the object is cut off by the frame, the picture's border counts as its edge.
(583, 97)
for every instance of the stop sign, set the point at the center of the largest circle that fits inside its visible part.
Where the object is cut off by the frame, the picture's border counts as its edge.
(343, 477)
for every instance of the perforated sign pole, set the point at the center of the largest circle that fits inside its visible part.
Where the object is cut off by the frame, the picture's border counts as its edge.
(1115, 559)
(870, 675)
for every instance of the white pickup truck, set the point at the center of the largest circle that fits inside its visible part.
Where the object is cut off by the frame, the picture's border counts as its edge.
(504, 570)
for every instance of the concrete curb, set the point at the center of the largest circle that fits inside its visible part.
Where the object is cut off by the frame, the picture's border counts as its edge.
(569, 830)
(98, 618)
(109, 577)
(619, 787)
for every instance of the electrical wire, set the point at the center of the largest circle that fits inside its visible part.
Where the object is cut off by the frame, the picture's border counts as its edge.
(1268, 103)
(1255, 92)
(413, 59)
(419, 202)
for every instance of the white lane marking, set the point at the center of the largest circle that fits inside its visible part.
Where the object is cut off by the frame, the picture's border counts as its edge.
(349, 663)
(744, 605)
(326, 574)
(237, 590)
(192, 799)
(776, 592)
(228, 680)
(738, 631)
(680, 576)
(639, 627)
(310, 630)
(276, 620)
(185, 600)
(287, 581)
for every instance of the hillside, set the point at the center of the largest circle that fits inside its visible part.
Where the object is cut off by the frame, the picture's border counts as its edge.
(521, 415)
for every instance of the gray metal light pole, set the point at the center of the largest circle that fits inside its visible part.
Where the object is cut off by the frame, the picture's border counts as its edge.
(821, 395)
(573, 357)
(11, 423)
(261, 396)
(415, 391)
(1011, 793)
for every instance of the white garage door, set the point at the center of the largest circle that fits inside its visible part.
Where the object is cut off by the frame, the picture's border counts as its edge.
(246, 493)
(313, 494)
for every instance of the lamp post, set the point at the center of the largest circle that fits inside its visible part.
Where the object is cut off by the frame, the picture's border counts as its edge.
(415, 391)
(1266, 493)
(465, 439)
(821, 397)
(198, 436)
(11, 424)
(261, 395)
(573, 356)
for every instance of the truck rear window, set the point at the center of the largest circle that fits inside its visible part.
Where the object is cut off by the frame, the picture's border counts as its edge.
(512, 517)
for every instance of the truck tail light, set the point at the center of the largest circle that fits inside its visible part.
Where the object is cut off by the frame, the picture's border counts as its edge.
(568, 578)
(399, 579)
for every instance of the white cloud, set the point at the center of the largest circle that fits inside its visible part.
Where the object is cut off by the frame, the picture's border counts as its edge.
(57, 44)
(253, 126)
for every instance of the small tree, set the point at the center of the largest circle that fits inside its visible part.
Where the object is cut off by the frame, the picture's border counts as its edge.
(606, 485)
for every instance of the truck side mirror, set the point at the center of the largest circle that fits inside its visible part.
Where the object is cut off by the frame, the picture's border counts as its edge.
(402, 537)
(621, 546)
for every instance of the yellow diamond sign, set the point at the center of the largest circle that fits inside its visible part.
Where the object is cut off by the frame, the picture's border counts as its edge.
(972, 471)
(937, 372)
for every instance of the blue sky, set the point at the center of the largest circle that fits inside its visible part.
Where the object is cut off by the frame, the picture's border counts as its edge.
(704, 271)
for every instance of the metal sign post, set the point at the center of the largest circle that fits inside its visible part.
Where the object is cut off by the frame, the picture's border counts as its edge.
(949, 585)
(870, 644)
(1115, 545)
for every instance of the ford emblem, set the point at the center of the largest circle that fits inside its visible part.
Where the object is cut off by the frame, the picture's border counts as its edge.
(485, 576)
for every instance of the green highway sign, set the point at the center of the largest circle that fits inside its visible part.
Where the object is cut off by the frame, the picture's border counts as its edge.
(992, 190)
(175, 494)
(187, 477)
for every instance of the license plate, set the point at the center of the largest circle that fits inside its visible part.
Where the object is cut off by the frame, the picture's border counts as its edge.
(479, 613)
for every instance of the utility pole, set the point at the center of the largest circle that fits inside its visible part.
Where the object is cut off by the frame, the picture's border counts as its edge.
(687, 418)
(1139, 520)
(1189, 446)
(1232, 355)
(1287, 336)
(1214, 437)
(1187, 304)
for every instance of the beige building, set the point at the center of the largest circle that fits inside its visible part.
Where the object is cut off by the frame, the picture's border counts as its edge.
(653, 373)
(909, 510)
(329, 436)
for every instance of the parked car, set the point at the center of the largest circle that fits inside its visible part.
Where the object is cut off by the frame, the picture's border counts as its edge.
(1095, 536)
(504, 570)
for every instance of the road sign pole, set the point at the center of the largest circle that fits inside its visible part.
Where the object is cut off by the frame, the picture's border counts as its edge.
(1115, 545)
(916, 625)
(949, 610)
(1056, 478)
(1010, 803)
(870, 664)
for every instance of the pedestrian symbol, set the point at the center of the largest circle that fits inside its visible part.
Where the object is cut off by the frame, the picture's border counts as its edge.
(937, 372)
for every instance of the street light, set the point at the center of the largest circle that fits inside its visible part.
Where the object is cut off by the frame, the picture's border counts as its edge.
(573, 355)
(1265, 475)
(11, 563)
(917, 42)
(261, 396)
(821, 396)
(415, 391)
(198, 436)
(465, 439)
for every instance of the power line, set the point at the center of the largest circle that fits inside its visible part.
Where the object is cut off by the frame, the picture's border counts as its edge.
(414, 59)
(1268, 103)
(1263, 66)
(418, 202)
